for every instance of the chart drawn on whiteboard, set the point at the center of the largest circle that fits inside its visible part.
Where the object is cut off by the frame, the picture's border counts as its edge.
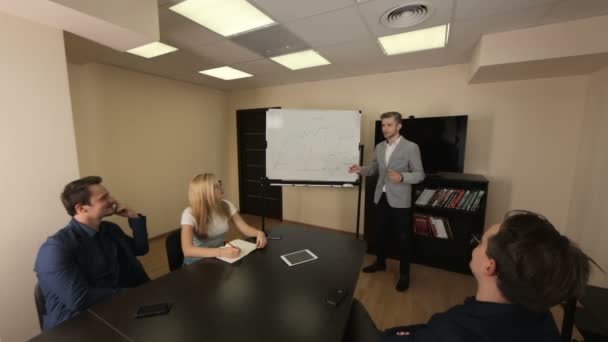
(312, 145)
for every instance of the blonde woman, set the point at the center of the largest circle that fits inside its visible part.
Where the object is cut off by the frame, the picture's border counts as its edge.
(205, 221)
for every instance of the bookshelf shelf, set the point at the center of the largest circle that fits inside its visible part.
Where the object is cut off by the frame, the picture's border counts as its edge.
(453, 253)
(448, 211)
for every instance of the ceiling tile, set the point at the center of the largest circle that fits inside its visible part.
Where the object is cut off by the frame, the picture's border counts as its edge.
(373, 10)
(286, 10)
(225, 52)
(256, 82)
(331, 28)
(271, 41)
(189, 78)
(207, 81)
(575, 9)
(182, 32)
(179, 62)
(194, 78)
(173, 65)
(260, 67)
(421, 59)
(465, 9)
(317, 73)
(353, 52)
(298, 76)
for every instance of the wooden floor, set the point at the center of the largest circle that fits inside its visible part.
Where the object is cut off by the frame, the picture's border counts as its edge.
(431, 290)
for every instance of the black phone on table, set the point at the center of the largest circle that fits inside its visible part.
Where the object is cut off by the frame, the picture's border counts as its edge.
(335, 297)
(153, 310)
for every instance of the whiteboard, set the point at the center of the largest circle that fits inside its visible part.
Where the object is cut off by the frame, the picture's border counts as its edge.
(312, 145)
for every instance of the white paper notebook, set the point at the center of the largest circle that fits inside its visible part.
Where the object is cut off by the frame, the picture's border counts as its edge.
(246, 248)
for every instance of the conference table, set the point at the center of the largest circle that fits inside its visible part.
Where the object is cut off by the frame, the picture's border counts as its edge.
(258, 298)
(86, 326)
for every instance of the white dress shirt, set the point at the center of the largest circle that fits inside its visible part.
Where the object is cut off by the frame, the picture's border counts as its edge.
(387, 154)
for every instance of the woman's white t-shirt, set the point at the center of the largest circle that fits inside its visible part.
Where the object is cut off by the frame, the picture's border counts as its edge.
(216, 228)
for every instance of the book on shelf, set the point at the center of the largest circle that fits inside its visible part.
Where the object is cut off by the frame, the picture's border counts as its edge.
(477, 195)
(477, 202)
(431, 197)
(456, 199)
(440, 230)
(439, 197)
(460, 199)
(451, 199)
(425, 196)
(449, 229)
(432, 226)
(443, 198)
(421, 225)
(464, 199)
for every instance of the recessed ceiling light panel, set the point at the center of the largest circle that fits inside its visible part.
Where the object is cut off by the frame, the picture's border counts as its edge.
(425, 39)
(301, 60)
(225, 73)
(225, 17)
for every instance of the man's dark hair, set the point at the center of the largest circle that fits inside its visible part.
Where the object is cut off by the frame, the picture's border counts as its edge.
(77, 192)
(536, 266)
(395, 115)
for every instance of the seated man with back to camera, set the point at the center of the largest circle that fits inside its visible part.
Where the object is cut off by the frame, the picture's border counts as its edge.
(523, 267)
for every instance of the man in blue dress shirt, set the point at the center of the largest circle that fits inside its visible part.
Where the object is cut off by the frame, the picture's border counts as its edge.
(89, 260)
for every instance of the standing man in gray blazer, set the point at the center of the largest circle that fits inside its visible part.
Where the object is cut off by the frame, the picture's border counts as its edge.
(398, 165)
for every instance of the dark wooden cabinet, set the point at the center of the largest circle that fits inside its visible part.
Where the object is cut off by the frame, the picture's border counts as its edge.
(251, 142)
(452, 254)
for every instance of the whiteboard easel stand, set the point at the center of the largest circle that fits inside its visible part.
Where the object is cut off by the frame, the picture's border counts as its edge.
(265, 182)
(359, 194)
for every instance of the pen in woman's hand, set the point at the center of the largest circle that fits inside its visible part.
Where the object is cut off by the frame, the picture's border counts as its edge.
(231, 245)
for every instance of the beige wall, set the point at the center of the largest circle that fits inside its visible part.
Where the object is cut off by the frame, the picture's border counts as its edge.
(522, 135)
(118, 24)
(562, 49)
(588, 221)
(569, 38)
(37, 156)
(139, 17)
(147, 136)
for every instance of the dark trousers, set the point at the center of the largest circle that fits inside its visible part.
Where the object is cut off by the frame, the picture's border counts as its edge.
(394, 223)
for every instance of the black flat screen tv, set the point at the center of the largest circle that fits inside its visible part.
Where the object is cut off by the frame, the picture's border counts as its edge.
(442, 141)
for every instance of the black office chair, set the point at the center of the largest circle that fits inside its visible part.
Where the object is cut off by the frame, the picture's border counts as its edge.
(40, 303)
(173, 245)
(360, 326)
(568, 321)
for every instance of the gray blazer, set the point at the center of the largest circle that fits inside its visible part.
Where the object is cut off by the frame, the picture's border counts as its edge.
(406, 160)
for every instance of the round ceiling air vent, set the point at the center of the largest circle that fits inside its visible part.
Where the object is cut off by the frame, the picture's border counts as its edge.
(406, 15)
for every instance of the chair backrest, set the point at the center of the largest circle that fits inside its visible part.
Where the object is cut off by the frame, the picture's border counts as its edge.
(40, 303)
(173, 244)
(360, 326)
(568, 321)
